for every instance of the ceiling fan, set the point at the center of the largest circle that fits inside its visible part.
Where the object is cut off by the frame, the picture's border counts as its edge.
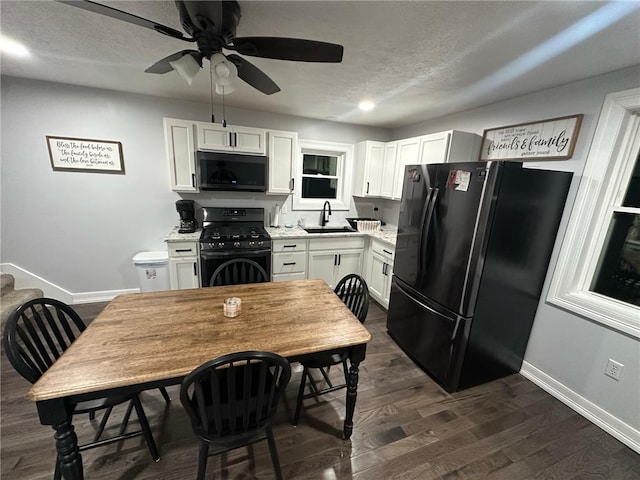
(212, 26)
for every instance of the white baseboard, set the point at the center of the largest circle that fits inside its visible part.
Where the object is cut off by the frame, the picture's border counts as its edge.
(25, 279)
(610, 424)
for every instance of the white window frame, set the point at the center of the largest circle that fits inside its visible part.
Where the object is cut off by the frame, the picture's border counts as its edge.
(613, 153)
(345, 154)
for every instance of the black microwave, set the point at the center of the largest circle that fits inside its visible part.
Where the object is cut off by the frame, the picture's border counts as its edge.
(232, 172)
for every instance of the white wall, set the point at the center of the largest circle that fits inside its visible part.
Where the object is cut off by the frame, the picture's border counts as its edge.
(568, 353)
(79, 231)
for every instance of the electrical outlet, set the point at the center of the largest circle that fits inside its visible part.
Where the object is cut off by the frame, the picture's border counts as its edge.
(284, 208)
(614, 369)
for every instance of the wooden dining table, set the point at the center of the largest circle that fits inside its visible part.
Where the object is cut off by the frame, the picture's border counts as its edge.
(147, 340)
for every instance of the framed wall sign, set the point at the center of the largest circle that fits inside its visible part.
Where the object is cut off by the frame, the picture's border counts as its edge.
(552, 139)
(85, 155)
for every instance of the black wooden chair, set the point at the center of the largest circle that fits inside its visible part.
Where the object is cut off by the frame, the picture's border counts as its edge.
(231, 402)
(354, 292)
(35, 335)
(238, 271)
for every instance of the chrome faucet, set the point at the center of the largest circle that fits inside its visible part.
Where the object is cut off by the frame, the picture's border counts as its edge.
(325, 216)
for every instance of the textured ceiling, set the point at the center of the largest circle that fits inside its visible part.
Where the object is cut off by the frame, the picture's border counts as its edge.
(417, 60)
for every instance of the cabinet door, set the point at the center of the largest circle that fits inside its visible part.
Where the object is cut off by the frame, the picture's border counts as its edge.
(214, 137)
(249, 140)
(348, 262)
(283, 148)
(408, 154)
(180, 151)
(386, 292)
(377, 278)
(322, 264)
(368, 171)
(388, 169)
(434, 148)
(183, 273)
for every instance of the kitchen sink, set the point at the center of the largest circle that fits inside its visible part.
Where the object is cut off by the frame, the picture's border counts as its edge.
(329, 229)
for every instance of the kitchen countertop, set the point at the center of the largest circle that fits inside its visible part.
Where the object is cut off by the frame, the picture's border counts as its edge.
(174, 236)
(386, 234)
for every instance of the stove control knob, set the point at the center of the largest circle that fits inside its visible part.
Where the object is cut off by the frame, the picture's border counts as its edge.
(236, 244)
(220, 244)
(260, 243)
(251, 244)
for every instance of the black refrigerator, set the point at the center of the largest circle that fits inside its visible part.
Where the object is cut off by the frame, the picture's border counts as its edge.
(473, 248)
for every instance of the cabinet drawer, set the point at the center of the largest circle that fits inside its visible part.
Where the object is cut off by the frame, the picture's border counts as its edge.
(183, 249)
(293, 245)
(339, 243)
(288, 277)
(383, 249)
(289, 262)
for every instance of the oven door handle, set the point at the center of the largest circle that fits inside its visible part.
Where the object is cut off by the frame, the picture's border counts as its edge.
(235, 253)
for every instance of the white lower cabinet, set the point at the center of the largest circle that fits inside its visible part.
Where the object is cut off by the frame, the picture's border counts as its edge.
(332, 258)
(379, 270)
(183, 265)
(288, 260)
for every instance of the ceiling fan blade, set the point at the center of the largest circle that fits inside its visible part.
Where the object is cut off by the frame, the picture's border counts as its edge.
(295, 49)
(211, 10)
(126, 17)
(254, 76)
(163, 66)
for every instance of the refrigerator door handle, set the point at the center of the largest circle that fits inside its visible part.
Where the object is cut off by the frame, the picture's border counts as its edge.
(418, 302)
(423, 220)
(425, 226)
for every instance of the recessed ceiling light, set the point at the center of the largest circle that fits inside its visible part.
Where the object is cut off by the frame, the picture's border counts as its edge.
(366, 105)
(12, 47)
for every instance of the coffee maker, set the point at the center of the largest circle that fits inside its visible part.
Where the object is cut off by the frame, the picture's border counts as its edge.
(188, 223)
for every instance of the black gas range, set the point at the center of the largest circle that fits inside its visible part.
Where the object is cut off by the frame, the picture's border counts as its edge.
(229, 233)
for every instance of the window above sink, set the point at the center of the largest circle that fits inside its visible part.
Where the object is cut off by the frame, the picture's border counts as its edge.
(324, 172)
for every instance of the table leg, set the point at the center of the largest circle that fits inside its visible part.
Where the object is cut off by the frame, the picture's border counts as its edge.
(356, 356)
(58, 413)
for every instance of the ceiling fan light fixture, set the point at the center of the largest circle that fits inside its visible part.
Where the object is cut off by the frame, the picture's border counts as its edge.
(225, 73)
(187, 67)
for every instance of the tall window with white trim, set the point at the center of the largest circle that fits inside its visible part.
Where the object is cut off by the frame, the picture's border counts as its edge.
(618, 270)
(598, 270)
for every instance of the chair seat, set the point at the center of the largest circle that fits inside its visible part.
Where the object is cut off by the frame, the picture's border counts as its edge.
(101, 403)
(322, 360)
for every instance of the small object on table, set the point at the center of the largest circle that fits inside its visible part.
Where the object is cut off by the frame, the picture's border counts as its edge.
(232, 307)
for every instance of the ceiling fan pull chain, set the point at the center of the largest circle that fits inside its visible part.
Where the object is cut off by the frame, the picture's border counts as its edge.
(224, 114)
(213, 118)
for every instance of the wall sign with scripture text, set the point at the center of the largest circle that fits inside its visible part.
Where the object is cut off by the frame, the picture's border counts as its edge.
(552, 139)
(85, 155)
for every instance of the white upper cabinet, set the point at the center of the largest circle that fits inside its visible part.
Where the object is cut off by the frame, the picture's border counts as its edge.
(442, 147)
(450, 146)
(283, 150)
(388, 169)
(368, 171)
(408, 153)
(181, 154)
(433, 148)
(213, 136)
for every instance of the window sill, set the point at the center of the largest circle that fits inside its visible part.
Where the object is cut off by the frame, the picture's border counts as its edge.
(619, 316)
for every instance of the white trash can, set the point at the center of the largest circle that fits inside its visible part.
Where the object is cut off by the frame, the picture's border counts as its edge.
(153, 270)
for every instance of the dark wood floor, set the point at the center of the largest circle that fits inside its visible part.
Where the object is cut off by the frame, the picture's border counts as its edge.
(406, 427)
